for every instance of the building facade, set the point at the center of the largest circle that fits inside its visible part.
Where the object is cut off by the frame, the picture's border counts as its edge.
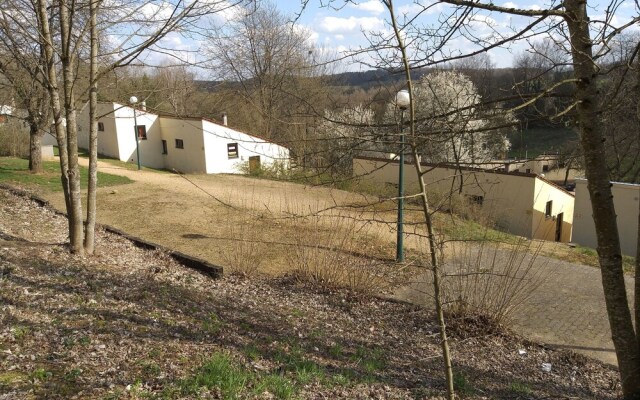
(521, 203)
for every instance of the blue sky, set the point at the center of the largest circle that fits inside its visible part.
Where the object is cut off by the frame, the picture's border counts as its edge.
(342, 29)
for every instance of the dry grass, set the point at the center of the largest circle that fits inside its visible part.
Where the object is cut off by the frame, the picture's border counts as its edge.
(336, 256)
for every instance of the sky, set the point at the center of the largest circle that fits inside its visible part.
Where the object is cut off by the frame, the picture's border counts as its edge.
(343, 28)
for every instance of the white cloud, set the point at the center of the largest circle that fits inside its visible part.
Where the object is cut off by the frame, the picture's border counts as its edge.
(339, 37)
(374, 7)
(414, 8)
(352, 24)
(510, 4)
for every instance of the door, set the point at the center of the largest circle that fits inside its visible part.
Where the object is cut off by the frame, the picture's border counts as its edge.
(254, 164)
(559, 219)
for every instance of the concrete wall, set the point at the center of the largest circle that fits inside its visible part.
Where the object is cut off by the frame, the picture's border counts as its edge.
(150, 149)
(516, 201)
(625, 199)
(545, 227)
(190, 159)
(216, 139)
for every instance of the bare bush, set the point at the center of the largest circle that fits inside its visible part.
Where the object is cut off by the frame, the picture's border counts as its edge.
(490, 278)
(245, 254)
(331, 257)
(13, 142)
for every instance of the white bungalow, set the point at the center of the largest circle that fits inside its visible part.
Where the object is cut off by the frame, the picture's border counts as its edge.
(184, 144)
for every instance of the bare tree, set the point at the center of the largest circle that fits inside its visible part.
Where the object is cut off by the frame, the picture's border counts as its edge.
(20, 62)
(270, 64)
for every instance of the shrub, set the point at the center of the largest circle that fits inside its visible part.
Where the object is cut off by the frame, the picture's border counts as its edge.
(328, 257)
(14, 142)
(490, 278)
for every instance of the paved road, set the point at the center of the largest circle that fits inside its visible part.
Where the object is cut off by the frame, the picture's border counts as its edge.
(567, 310)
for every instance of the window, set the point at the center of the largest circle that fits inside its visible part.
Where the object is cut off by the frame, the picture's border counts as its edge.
(476, 199)
(545, 168)
(164, 147)
(179, 144)
(232, 150)
(547, 211)
(100, 126)
(528, 170)
(142, 132)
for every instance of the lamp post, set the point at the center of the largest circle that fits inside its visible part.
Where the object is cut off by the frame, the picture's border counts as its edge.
(134, 101)
(402, 102)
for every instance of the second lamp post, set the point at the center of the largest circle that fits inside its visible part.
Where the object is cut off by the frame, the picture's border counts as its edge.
(134, 102)
(402, 102)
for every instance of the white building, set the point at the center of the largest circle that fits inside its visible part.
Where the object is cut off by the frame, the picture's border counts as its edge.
(625, 200)
(190, 145)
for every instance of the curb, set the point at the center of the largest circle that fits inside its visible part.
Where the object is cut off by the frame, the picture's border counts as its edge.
(200, 265)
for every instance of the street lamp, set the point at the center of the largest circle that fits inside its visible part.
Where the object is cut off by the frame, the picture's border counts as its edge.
(402, 102)
(133, 100)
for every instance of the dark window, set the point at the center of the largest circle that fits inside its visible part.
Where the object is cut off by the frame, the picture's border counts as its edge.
(100, 126)
(528, 170)
(142, 132)
(477, 199)
(164, 147)
(179, 144)
(547, 211)
(232, 150)
(545, 168)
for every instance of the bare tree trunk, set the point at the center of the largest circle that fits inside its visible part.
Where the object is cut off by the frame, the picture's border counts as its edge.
(75, 216)
(56, 107)
(90, 227)
(35, 148)
(435, 262)
(604, 216)
(637, 272)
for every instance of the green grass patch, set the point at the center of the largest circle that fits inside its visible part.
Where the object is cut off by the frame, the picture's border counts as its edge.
(589, 256)
(16, 171)
(462, 385)
(520, 388)
(232, 380)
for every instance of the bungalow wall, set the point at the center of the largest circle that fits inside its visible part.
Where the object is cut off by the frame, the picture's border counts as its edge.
(516, 201)
(185, 144)
(227, 150)
(625, 199)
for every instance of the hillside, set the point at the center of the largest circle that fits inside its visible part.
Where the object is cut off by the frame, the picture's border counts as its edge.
(129, 323)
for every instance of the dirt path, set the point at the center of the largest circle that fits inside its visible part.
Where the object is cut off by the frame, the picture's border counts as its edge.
(214, 216)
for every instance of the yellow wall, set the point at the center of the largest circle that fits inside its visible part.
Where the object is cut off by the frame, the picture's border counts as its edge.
(515, 201)
(625, 200)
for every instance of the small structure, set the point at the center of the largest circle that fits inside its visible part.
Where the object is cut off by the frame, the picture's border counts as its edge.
(524, 204)
(625, 200)
(185, 144)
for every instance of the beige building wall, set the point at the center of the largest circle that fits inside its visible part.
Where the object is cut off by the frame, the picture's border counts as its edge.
(516, 201)
(191, 158)
(557, 226)
(625, 199)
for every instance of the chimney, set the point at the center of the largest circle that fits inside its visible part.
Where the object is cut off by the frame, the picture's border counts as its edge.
(143, 105)
(224, 119)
